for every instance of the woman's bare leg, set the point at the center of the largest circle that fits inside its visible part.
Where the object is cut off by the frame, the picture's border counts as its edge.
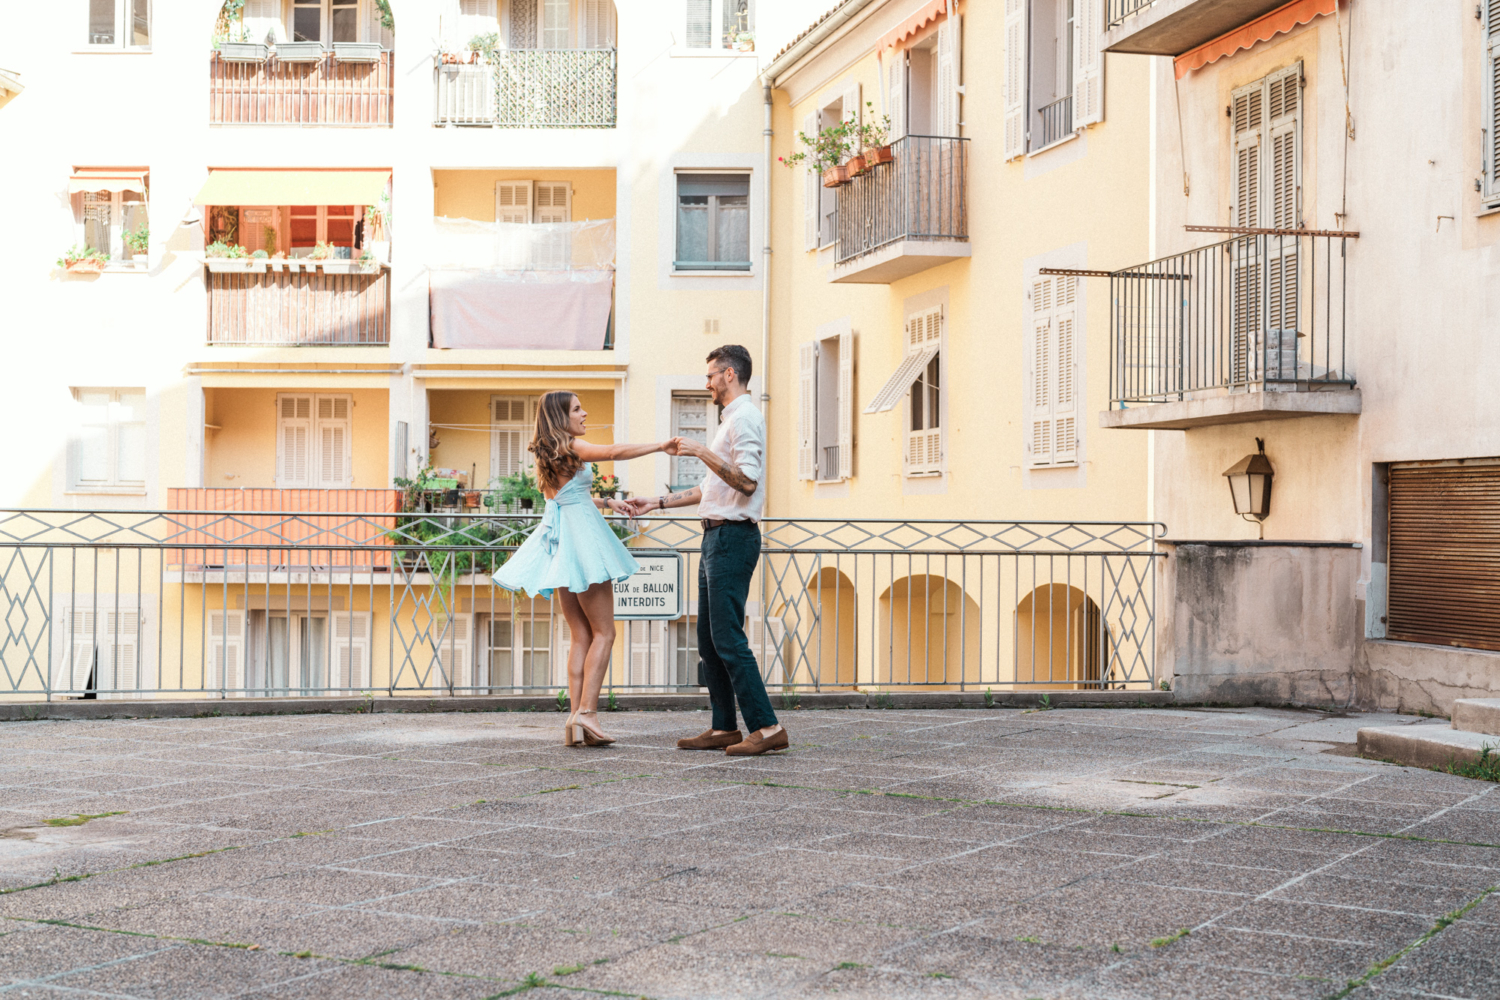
(598, 604)
(578, 649)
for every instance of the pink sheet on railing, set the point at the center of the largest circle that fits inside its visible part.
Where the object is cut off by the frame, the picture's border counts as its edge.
(533, 310)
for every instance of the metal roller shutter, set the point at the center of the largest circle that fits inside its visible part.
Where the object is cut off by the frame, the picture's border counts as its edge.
(1445, 555)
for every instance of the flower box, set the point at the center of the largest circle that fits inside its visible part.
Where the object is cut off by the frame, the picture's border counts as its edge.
(333, 265)
(878, 154)
(229, 265)
(300, 52)
(244, 52)
(835, 176)
(87, 266)
(855, 166)
(357, 52)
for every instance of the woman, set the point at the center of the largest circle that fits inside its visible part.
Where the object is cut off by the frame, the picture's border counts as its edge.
(574, 552)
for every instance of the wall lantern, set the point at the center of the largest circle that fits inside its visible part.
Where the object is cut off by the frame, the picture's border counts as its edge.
(1250, 485)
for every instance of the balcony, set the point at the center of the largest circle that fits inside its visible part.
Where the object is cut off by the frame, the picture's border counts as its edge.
(299, 303)
(905, 216)
(529, 88)
(1253, 328)
(279, 527)
(331, 90)
(1172, 27)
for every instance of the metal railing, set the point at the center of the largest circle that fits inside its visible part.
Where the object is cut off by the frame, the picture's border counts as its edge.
(1119, 10)
(1263, 311)
(326, 92)
(829, 467)
(1054, 122)
(922, 194)
(529, 88)
(213, 603)
(298, 308)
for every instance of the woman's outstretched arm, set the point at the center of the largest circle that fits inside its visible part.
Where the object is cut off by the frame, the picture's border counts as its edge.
(615, 452)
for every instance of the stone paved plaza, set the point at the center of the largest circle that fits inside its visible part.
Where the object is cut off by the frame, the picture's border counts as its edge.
(946, 854)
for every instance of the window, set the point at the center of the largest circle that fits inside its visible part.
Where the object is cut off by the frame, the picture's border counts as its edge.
(684, 640)
(1491, 104)
(1054, 71)
(108, 204)
(918, 380)
(825, 410)
(535, 203)
(108, 445)
(288, 652)
(1052, 408)
(719, 24)
(120, 24)
(923, 95)
(325, 20)
(693, 416)
(313, 446)
(821, 203)
(713, 222)
(314, 224)
(517, 652)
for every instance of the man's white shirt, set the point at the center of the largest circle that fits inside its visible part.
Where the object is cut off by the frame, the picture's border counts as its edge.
(741, 444)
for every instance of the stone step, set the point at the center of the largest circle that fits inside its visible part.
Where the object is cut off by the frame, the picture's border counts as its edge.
(1477, 715)
(1423, 746)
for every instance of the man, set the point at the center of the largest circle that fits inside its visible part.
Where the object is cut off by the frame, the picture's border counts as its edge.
(730, 502)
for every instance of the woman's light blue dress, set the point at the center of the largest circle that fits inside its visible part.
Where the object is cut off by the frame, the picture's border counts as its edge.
(572, 547)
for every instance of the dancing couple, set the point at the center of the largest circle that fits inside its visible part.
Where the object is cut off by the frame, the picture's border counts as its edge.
(573, 552)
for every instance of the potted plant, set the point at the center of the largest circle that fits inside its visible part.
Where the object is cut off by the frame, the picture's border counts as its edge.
(244, 52)
(260, 261)
(299, 52)
(368, 262)
(825, 153)
(605, 487)
(872, 136)
(377, 229)
(139, 244)
(745, 41)
(85, 260)
(277, 262)
(357, 52)
(520, 490)
(221, 257)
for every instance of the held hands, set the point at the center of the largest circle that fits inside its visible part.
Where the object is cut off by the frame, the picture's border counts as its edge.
(621, 507)
(683, 446)
(637, 506)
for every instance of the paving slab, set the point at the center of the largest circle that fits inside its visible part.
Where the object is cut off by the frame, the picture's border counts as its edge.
(898, 852)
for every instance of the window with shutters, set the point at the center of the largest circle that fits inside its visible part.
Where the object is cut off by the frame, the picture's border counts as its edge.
(683, 635)
(1052, 417)
(512, 422)
(713, 222)
(820, 204)
(925, 404)
(119, 24)
(537, 203)
(99, 639)
(1054, 71)
(515, 652)
(694, 416)
(102, 220)
(825, 409)
(724, 25)
(1491, 103)
(289, 652)
(314, 446)
(107, 448)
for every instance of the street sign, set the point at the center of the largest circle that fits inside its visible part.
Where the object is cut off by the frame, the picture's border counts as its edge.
(653, 593)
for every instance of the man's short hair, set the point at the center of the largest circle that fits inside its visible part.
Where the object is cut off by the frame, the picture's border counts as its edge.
(736, 357)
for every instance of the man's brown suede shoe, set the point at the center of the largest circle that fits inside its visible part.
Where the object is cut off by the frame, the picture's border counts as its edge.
(706, 740)
(755, 743)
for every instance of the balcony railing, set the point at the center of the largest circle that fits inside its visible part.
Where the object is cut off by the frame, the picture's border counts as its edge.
(828, 467)
(921, 194)
(1054, 122)
(529, 88)
(326, 92)
(299, 308)
(1119, 10)
(1264, 311)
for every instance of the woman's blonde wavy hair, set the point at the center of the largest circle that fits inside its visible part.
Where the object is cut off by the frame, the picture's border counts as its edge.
(556, 461)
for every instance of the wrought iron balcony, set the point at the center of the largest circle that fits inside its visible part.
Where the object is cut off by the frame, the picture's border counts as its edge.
(328, 91)
(1053, 122)
(904, 216)
(276, 305)
(1252, 328)
(529, 88)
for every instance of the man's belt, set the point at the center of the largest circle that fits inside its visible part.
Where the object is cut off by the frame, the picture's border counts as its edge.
(719, 522)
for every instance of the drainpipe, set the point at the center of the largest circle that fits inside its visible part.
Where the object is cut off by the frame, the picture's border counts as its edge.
(765, 282)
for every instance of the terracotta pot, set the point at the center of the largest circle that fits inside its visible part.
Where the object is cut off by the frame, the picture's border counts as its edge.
(878, 154)
(835, 176)
(856, 165)
(86, 266)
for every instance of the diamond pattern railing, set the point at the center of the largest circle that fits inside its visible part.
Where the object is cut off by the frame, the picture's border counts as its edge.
(234, 603)
(530, 88)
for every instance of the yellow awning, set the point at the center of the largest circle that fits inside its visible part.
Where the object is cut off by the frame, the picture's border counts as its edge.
(293, 187)
(93, 181)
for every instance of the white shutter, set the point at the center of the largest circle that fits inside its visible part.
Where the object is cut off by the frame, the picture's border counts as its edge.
(853, 110)
(1088, 63)
(896, 100)
(1491, 103)
(807, 410)
(598, 28)
(1015, 78)
(552, 202)
(513, 201)
(846, 404)
(226, 652)
(812, 192)
(700, 24)
(648, 652)
(948, 43)
(924, 445)
(335, 452)
(262, 20)
(510, 432)
(91, 442)
(1247, 108)
(451, 653)
(1064, 372)
(78, 637)
(768, 645)
(119, 662)
(1283, 103)
(294, 442)
(562, 641)
(1039, 374)
(351, 650)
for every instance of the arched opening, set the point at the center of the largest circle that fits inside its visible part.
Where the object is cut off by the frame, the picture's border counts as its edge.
(1059, 639)
(833, 601)
(929, 633)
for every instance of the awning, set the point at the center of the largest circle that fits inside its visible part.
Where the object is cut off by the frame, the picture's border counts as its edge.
(10, 82)
(925, 15)
(293, 187)
(897, 385)
(1261, 29)
(95, 180)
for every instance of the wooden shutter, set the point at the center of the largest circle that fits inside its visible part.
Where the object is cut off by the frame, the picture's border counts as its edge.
(262, 21)
(225, 651)
(846, 404)
(1015, 78)
(1283, 113)
(812, 190)
(335, 452)
(648, 653)
(768, 645)
(700, 24)
(294, 442)
(598, 27)
(451, 653)
(924, 445)
(79, 636)
(1039, 375)
(1247, 107)
(948, 45)
(1088, 62)
(513, 201)
(552, 202)
(1064, 372)
(1444, 559)
(351, 649)
(92, 440)
(896, 92)
(807, 410)
(1491, 103)
(119, 660)
(562, 641)
(510, 432)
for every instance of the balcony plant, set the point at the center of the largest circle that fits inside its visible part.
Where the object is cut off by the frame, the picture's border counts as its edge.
(486, 47)
(357, 52)
(139, 243)
(826, 152)
(520, 490)
(299, 52)
(872, 136)
(83, 260)
(221, 257)
(605, 487)
(745, 41)
(368, 262)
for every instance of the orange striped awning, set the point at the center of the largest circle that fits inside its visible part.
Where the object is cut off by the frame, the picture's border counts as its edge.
(94, 180)
(1262, 29)
(925, 15)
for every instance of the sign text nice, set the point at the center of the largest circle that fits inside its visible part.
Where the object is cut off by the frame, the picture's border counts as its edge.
(653, 592)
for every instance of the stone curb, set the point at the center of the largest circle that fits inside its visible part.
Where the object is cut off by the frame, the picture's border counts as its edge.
(175, 708)
(1422, 746)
